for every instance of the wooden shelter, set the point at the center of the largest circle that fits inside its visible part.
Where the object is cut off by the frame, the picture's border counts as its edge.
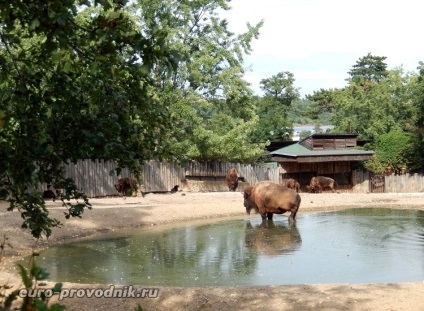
(330, 155)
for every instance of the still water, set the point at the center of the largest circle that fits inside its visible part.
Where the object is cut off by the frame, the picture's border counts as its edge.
(350, 246)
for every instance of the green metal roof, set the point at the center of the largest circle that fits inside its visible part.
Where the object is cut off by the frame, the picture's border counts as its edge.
(270, 164)
(297, 150)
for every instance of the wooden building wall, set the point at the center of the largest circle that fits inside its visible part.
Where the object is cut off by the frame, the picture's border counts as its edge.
(329, 143)
(340, 171)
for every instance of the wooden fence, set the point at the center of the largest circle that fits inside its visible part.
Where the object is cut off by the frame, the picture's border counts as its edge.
(97, 178)
(404, 183)
(393, 183)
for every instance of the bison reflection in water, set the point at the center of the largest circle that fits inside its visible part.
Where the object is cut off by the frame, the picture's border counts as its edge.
(271, 239)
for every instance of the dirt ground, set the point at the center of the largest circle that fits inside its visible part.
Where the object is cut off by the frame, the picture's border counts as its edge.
(157, 209)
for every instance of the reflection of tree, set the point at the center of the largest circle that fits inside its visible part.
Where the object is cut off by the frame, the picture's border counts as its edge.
(220, 253)
(420, 223)
(85, 262)
(270, 238)
(211, 254)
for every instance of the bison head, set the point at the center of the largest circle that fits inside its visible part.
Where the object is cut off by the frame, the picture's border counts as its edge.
(249, 202)
(312, 185)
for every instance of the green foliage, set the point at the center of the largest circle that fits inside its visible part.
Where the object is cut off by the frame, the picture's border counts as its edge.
(281, 88)
(273, 108)
(374, 108)
(377, 102)
(304, 134)
(75, 83)
(273, 121)
(394, 152)
(35, 299)
(322, 102)
(418, 125)
(118, 81)
(305, 111)
(210, 105)
(369, 68)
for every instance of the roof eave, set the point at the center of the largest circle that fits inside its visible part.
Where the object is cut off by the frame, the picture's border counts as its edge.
(321, 158)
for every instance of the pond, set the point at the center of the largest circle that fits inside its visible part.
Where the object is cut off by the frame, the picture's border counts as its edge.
(360, 245)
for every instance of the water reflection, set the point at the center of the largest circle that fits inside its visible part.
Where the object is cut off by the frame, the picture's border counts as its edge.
(269, 238)
(351, 246)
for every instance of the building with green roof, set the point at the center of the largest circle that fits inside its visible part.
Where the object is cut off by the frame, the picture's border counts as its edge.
(331, 155)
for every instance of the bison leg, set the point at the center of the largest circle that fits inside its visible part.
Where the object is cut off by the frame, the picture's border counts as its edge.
(269, 215)
(292, 217)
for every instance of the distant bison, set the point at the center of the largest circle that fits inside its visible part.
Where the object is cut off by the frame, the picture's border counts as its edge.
(293, 184)
(320, 182)
(267, 198)
(232, 179)
(125, 184)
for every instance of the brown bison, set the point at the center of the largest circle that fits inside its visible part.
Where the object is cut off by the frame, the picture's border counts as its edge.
(125, 184)
(320, 182)
(267, 198)
(232, 179)
(293, 184)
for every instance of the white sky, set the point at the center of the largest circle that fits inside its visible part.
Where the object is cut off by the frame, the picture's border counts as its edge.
(320, 40)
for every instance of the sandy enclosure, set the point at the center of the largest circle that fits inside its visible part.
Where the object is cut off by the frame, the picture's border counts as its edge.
(158, 209)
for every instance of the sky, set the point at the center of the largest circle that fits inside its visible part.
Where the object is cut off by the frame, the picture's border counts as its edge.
(319, 41)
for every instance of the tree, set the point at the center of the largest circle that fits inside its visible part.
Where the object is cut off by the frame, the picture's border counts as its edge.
(323, 102)
(210, 103)
(418, 126)
(394, 152)
(280, 88)
(369, 68)
(376, 109)
(273, 108)
(75, 83)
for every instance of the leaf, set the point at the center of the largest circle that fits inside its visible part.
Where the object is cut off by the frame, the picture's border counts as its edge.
(24, 276)
(57, 288)
(34, 24)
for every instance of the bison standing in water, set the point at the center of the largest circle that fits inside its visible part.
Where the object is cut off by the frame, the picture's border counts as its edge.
(320, 182)
(125, 184)
(268, 198)
(232, 179)
(293, 184)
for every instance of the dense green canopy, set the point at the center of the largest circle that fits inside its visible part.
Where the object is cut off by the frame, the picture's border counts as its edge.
(113, 80)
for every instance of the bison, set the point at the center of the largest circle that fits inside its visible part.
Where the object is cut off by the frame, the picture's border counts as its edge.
(125, 184)
(320, 182)
(293, 184)
(232, 179)
(267, 198)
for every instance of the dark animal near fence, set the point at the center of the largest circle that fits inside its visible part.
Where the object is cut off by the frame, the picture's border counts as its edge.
(293, 184)
(232, 179)
(320, 182)
(268, 198)
(125, 184)
(49, 194)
